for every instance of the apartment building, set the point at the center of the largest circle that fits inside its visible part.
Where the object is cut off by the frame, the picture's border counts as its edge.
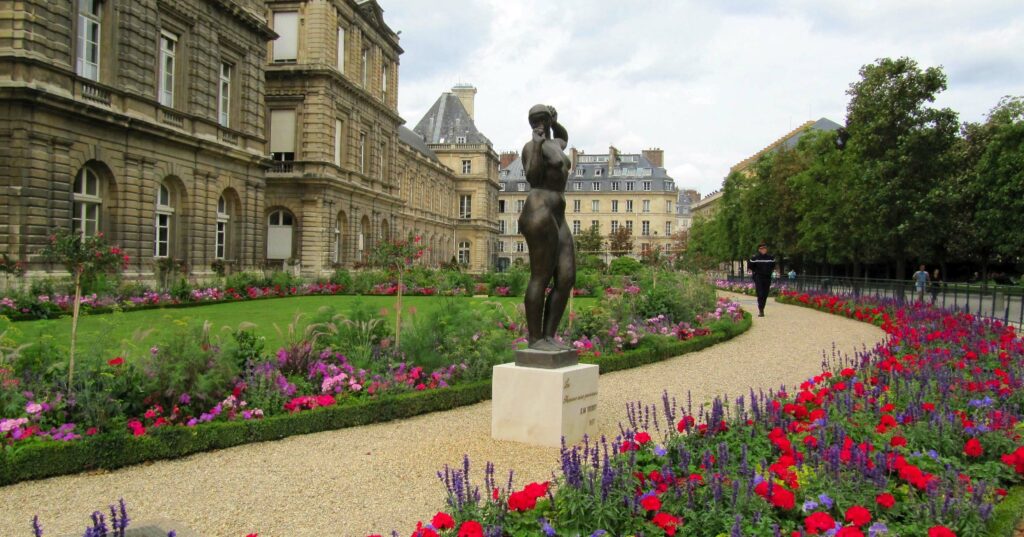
(605, 191)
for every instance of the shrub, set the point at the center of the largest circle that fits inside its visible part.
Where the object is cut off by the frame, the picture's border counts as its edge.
(241, 280)
(342, 277)
(189, 362)
(625, 266)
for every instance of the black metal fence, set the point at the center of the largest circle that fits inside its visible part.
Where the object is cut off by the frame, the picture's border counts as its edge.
(1002, 302)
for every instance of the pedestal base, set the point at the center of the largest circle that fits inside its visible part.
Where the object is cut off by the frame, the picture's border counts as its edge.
(540, 406)
(546, 359)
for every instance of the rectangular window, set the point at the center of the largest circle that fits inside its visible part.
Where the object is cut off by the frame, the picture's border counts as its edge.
(596, 185)
(467, 166)
(598, 171)
(668, 206)
(502, 227)
(520, 247)
(168, 46)
(362, 152)
(337, 141)
(595, 225)
(615, 226)
(460, 139)
(668, 185)
(645, 227)
(629, 225)
(282, 134)
(521, 187)
(384, 82)
(519, 208)
(647, 206)
(630, 185)
(341, 49)
(163, 235)
(629, 206)
(501, 246)
(577, 185)
(575, 227)
(380, 161)
(86, 218)
(595, 206)
(615, 186)
(579, 173)
(615, 206)
(576, 206)
(515, 227)
(647, 186)
(668, 229)
(222, 234)
(286, 46)
(225, 94)
(501, 205)
(366, 65)
(501, 187)
(89, 25)
(465, 207)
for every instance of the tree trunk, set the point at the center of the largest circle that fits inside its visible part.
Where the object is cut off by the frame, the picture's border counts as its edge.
(398, 313)
(74, 330)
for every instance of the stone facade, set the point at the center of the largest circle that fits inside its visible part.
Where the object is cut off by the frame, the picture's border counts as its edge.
(112, 122)
(255, 132)
(608, 191)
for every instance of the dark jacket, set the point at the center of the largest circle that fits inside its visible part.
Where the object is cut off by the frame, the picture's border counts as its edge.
(762, 265)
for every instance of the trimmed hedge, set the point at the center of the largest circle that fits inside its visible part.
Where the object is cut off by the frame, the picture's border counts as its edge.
(107, 451)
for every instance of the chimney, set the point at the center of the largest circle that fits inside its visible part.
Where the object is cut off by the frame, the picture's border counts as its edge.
(574, 157)
(613, 159)
(466, 94)
(656, 156)
(506, 159)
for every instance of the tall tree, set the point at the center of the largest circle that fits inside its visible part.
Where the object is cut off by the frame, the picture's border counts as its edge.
(620, 242)
(903, 149)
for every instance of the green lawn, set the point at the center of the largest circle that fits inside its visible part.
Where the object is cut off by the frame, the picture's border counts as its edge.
(109, 331)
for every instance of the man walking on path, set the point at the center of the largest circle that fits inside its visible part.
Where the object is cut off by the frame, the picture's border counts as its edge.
(920, 282)
(762, 266)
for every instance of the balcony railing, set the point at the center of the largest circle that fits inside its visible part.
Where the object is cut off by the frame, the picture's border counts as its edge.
(95, 93)
(172, 118)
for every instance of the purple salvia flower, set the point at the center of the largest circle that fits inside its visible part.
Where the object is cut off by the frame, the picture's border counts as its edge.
(37, 529)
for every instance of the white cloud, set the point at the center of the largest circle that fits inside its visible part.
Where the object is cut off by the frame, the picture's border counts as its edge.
(708, 82)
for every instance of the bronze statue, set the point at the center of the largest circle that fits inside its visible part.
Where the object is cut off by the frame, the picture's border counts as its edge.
(552, 254)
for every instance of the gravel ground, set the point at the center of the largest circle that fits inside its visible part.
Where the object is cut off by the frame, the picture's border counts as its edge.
(363, 480)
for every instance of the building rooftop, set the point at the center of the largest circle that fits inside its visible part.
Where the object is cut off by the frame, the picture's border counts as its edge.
(788, 140)
(415, 141)
(448, 122)
(591, 174)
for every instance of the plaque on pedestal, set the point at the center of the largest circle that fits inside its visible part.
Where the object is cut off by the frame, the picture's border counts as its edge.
(546, 359)
(540, 406)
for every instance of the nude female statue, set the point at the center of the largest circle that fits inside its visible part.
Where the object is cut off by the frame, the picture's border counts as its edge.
(552, 254)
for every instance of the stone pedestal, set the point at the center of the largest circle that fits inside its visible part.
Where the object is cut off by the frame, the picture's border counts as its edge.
(546, 359)
(540, 406)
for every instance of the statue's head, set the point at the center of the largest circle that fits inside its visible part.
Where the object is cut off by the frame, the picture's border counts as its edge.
(540, 115)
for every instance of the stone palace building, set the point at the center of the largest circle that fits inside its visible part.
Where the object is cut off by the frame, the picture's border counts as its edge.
(249, 132)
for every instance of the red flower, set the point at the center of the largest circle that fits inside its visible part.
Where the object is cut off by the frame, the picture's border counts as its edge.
(423, 532)
(136, 427)
(885, 500)
(819, 522)
(667, 523)
(898, 441)
(940, 531)
(973, 448)
(651, 503)
(257, 535)
(642, 438)
(443, 521)
(114, 362)
(471, 528)
(782, 498)
(858, 516)
(849, 531)
(685, 423)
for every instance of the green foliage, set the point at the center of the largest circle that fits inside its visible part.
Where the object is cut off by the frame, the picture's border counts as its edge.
(240, 280)
(83, 255)
(589, 241)
(620, 242)
(515, 278)
(625, 266)
(364, 281)
(189, 362)
(181, 289)
(248, 348)
(341, 277)
(284, 279)
(355, 335)
(589, 280)
(590, 262)
(453, 332)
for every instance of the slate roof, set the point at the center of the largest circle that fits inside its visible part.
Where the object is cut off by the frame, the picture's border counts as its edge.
(789, 140)
(446, 121)
(416, 142)
(630, 168)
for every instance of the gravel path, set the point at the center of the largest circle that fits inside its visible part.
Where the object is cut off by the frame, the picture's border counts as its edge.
(357, 481)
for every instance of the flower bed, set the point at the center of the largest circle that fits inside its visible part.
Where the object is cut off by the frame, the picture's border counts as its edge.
(918, 436)
(193, 380)
(747, 288)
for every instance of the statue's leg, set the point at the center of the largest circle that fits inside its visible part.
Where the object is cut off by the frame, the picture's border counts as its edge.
(565, 278)
(543, 243)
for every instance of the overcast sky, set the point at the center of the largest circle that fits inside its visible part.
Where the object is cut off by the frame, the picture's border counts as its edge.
(711, 82)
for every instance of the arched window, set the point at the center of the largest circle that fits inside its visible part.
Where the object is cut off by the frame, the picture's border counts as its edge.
(164, 222)
(340, 235)
(223, 220)
(87, 200)
(464, 253)
(279, 235)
